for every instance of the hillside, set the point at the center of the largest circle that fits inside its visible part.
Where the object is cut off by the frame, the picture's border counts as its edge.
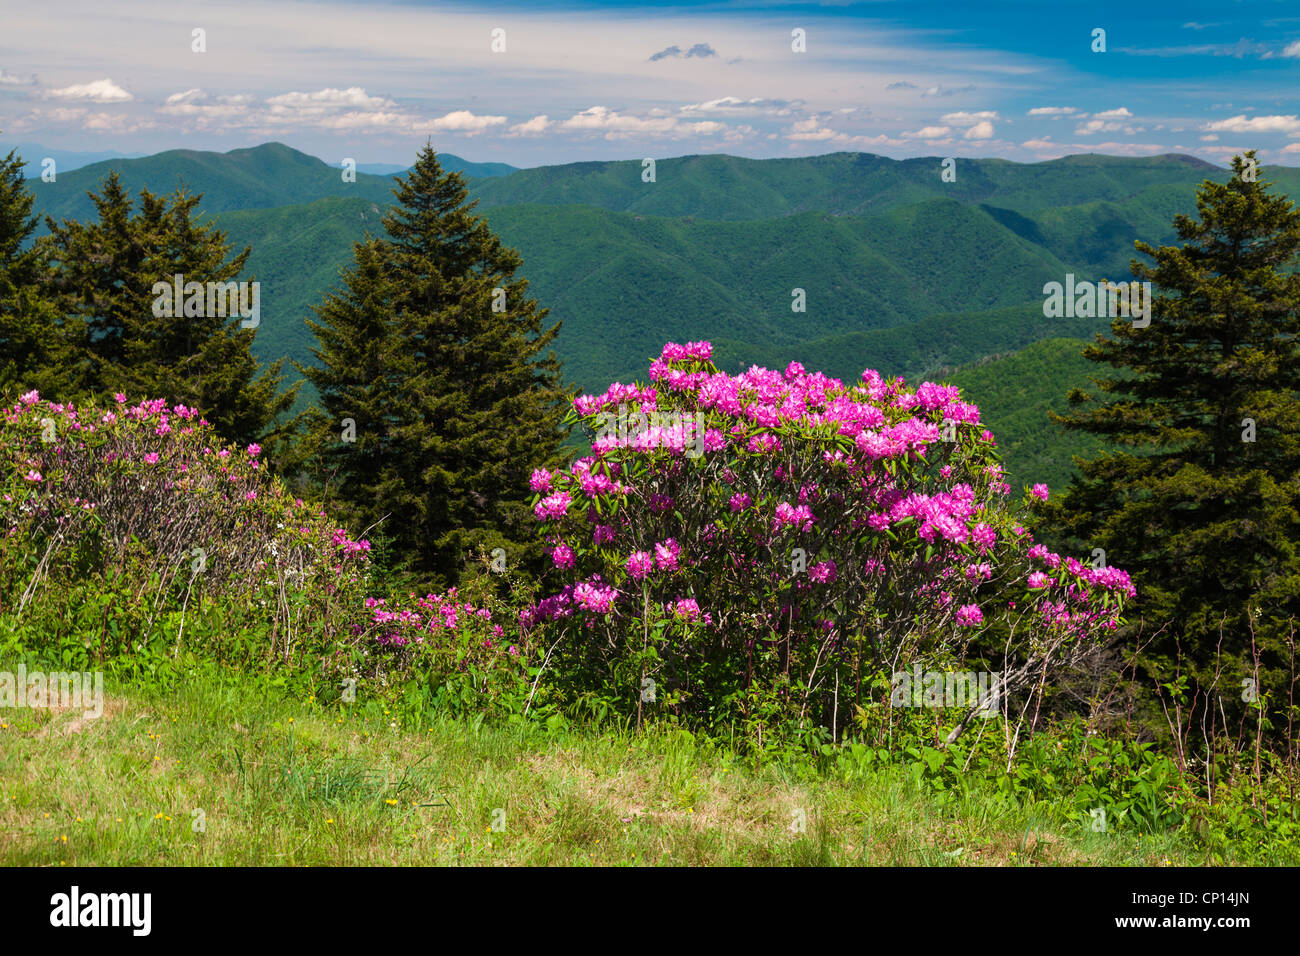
(1016, 391)
(623, 283)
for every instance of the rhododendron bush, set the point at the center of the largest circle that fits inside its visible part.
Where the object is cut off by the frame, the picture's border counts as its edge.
(769, 541)
(153, 480)
(140, 506)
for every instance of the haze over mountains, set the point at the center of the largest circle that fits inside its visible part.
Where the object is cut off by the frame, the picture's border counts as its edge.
(66, 160)
(900, 271)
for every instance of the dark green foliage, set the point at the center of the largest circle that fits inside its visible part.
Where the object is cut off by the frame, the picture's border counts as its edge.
(437, 355)
(32, 352)
(1207, 520)
(102, 280)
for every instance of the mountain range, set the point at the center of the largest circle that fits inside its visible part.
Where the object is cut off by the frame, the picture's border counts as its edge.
(896, 269)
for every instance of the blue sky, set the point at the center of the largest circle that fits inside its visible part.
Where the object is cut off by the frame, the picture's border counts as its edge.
(584, 81)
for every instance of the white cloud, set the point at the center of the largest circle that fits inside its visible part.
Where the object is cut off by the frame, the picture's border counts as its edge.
(1292, 49)
(981, 130)
(929, 132)
(1052, 111)
(198, 106)
(98, 91)
(1255, 124)
(616, 125)
(377, 120)
(738, 134)
(533, 127)
(1107, 121)
(116, 123)
(969, 119)
(734, 106)
(353, 97)
(811, 130)
(463, 121)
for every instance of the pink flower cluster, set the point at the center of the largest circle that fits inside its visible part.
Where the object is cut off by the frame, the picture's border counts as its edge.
(348, 547)
(433, 619)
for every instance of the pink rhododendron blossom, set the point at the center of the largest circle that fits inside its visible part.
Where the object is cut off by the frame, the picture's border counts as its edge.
(666, 554)
(824, 573)
(686, 609)
(639, 564)
(800, 517)
(553, 506)
(594, 597)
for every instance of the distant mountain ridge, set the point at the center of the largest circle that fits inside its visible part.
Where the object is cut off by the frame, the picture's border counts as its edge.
(258, 177)
(65, 160)
(721, 187)
(449, 162)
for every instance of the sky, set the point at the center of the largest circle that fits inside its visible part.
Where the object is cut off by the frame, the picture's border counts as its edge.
(547, 82)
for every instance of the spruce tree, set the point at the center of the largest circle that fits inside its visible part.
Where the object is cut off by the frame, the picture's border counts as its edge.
(1201, 499)
(436, 352)
(351, 447)
(104, 280)
(33, 354)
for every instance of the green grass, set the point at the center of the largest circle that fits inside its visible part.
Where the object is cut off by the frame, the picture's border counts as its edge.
(285, 782)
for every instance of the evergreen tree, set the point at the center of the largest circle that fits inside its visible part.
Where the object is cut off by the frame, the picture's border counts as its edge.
(33, 354)
(437, 354)
(1201, 503)
(105, 277)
